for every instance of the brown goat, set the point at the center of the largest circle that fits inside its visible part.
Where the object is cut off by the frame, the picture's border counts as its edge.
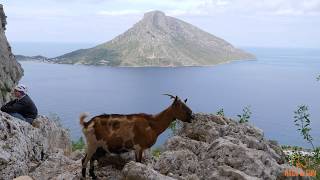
(115, 133)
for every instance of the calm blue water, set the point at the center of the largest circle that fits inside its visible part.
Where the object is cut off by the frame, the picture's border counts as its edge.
(273, 86)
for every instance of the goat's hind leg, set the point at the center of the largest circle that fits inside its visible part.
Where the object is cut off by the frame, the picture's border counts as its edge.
(86, 159)
(83, 167)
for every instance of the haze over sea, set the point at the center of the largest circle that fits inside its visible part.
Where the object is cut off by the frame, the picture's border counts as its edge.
(273, 86)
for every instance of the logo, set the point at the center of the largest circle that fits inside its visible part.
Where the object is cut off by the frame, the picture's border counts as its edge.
(303, 171)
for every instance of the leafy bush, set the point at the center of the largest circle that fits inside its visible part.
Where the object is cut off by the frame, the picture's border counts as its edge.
(156, 152)
(220, 112)
(245, 116)
(78, 145)
(175, 126)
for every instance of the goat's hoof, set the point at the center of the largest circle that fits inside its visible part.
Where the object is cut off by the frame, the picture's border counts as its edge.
(93, 176)
(83, 173)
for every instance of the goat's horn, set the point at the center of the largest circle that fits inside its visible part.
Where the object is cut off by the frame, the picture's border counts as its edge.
(171, 96)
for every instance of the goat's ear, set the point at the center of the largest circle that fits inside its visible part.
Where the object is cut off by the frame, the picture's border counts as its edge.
(185, 101)
(176, 98)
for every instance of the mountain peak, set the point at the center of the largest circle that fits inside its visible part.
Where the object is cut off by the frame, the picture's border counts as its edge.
(153, 14)
(155, 18)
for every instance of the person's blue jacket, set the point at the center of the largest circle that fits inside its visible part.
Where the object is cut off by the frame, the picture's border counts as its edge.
(23, 106)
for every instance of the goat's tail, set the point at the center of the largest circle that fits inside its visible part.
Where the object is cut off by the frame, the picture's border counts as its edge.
(82, 118)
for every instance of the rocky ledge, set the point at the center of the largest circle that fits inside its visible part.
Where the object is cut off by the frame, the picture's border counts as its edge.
(211, 147)
(23, 147)
(10, 69)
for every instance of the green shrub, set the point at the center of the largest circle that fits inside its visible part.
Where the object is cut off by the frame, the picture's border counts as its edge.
(78, 145)
(220, 112)
(245, 116)
(175, 126)
(156, 152)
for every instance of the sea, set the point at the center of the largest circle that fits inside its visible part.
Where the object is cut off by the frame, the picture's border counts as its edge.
(272, 87)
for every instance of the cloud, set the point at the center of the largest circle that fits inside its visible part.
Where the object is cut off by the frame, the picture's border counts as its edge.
(121, 12)
(212, 7)
(133, 12)
(171, 7)
(261, 7)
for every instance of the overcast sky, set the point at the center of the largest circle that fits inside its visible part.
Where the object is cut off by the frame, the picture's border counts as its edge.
(266, 23)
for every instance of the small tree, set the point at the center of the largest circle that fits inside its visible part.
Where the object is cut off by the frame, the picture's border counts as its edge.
(245, 116)
(220, 112)
(302, 121)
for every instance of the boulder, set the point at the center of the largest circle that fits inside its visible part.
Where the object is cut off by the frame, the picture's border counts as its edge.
(138, 171)
(23, 147)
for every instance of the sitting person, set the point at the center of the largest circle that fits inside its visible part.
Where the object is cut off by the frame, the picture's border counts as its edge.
(22, 107)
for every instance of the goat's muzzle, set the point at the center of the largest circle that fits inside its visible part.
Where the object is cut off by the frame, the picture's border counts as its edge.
(191, 117)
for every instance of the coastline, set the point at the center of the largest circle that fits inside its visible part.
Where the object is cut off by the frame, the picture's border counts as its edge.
(76, 64)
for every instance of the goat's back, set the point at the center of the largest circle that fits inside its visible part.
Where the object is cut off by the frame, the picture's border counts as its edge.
(122, 132)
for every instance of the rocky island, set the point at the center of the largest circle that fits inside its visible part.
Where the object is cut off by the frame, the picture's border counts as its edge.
(158, 40)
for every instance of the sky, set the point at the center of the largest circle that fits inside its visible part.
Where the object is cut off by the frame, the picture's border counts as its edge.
(243, 23)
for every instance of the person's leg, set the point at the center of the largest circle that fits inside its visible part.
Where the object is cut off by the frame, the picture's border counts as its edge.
(29, 120)
(19, 116)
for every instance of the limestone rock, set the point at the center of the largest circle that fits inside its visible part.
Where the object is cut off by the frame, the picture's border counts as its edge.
(23, 147)
(137, 171)
(224, 149)
(10, 69)
(180, 163)
(23, 178)
(57, 166)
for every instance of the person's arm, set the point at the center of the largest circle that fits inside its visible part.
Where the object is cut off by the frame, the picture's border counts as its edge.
(3, 108)
(12, 106)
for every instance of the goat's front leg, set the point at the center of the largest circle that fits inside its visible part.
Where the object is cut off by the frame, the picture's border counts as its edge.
(138, 154)
(91, 170)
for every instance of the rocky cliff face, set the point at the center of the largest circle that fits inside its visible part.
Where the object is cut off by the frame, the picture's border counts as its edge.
(10, 69)
(24, 147)
(211, 147)
(159, 40)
